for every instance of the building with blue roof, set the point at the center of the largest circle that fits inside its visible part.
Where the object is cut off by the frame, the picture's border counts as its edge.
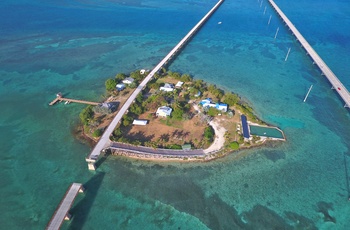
(246, 133)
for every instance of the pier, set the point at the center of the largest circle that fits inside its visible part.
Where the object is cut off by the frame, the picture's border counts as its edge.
(59, 99)
(326, 71)
(104, 141)
(62, 211)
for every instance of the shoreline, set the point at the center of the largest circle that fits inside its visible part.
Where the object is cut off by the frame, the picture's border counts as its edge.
(227, 134)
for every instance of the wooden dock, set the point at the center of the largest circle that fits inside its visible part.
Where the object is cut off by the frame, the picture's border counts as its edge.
(326, 71)
(62, 211)
(104, 141)
(58, 99)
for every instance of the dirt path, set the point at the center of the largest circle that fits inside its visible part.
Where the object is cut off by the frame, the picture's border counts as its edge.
(219, 140)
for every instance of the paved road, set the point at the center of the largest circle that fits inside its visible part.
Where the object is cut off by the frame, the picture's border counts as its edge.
(332, 78)
(104, 140)
(162, 152)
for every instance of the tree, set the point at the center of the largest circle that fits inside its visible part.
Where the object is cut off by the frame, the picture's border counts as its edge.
(120, 76)
(176, 75)
(136, 109)
(209, 133)
(127, 120)
(86, 115)
(212, 112)
(110, 84)
(231, 99)
(177, 113)
(97, 133)
(186, 78)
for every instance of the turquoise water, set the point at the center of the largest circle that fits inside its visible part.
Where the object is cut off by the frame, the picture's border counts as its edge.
(265, 131)
(74, 46)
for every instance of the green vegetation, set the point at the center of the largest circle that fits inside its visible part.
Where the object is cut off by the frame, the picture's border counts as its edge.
(110, 84)
(209, 133)
(86, 115)
(151, 98)
(231, 99)
(234, 145)
(97, 133)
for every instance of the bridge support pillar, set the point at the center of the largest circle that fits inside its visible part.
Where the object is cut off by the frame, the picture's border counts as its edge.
(68, 216)
(91, 166)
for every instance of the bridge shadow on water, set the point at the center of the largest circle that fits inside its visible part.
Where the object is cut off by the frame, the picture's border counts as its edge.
(81, 210)
(102, 159)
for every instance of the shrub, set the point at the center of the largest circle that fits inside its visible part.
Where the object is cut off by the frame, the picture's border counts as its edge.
(234, 145)
(209, 133)
(97, 133)
(86, 115)
(110, 84)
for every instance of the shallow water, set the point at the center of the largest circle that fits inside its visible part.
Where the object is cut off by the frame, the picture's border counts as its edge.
(74, 46)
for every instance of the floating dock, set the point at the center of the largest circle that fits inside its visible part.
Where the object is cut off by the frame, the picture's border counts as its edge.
(326, 71)
(62, 211)
(104, 141)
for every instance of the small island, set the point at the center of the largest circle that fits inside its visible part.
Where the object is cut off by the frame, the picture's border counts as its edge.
(175, 118)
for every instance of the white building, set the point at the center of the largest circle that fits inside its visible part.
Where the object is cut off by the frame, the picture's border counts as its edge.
(120, 86)
(128, 80)
(167, 87)
(179, 84)
(164, 111)
(139, 122)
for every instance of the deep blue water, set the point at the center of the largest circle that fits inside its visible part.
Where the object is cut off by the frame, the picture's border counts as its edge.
(74, 46)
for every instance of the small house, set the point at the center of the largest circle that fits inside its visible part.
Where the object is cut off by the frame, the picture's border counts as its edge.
(120, 86)
(128, 80)
(164, 111)
(167, 87)
(143, 71)
(179, 84)
(139, 122)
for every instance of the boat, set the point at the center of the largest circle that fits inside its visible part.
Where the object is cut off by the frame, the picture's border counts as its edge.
(219, 23)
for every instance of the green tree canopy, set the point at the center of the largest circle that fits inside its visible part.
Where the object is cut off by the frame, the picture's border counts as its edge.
(186, 78)
(127, 120)
(120, 76)
(231, 99)
(97, 133)
(86, 115)
(110, 84)
(209, 133)
(135, 108)
(177, 113)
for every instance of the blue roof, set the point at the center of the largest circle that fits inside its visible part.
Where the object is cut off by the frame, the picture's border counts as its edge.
(245, 126)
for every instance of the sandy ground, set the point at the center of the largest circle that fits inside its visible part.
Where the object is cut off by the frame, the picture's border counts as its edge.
(220, 131)
(219, 140)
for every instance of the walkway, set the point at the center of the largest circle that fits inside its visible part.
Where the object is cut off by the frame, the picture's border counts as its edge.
(61, 212)
(337, 85)
(72, 100)
(104, 141)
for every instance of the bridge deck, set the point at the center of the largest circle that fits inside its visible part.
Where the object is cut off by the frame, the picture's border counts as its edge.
(104, 140)
(332, 78)
(63, 208)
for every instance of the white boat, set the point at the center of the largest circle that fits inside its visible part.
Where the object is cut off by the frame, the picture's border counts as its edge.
(219, 23)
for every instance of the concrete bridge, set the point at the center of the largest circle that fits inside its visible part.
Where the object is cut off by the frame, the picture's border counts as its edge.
(326, 71)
